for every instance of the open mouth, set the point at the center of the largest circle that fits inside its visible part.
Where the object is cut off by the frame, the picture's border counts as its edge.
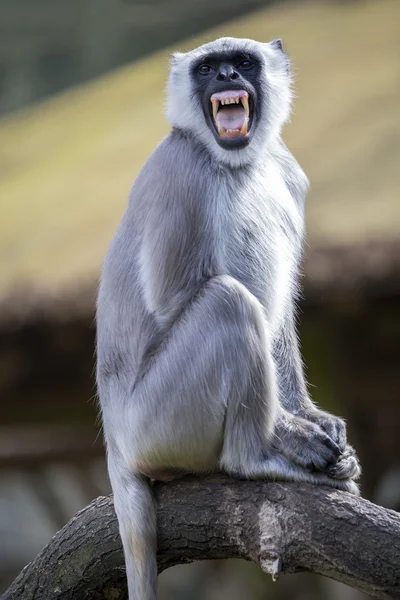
(231, 113)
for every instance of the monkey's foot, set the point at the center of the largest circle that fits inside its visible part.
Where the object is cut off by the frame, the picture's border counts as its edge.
(345, 485)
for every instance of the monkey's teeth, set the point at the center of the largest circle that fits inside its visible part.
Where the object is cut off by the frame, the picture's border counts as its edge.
(245, 126)
(225, 101)
(245, 102)
(215, 104)
(221, 130)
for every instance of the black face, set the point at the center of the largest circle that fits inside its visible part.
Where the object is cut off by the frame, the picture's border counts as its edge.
(229, 87)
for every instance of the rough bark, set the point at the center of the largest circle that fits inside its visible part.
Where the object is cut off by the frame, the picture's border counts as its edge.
(281, 526)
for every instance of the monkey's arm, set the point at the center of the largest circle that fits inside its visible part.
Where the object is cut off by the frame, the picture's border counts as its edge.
(294, 396)
(293, 392)
(295, 399)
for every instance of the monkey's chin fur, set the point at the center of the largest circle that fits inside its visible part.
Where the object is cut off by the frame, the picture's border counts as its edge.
(231, 116)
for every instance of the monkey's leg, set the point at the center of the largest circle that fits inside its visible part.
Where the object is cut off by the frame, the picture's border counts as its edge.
(172, 417)
(214, 378)
(248, 445)
(210, 358)
(240, 457)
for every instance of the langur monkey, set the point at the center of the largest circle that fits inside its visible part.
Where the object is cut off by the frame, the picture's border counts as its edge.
(198, 363)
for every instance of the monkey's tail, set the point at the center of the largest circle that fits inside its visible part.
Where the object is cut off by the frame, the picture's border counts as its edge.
(137, 513)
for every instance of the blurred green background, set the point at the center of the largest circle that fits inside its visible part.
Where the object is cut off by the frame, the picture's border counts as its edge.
(82, 106)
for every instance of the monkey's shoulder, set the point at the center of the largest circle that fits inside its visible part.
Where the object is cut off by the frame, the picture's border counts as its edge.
(176, 171)
(176, 152)
(293, 175)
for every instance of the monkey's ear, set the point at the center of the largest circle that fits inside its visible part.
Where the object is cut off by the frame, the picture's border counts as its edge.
(281, 56)
(277, 44)
(177, 58)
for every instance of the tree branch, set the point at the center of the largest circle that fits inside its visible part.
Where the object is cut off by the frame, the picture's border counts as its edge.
(281, 526)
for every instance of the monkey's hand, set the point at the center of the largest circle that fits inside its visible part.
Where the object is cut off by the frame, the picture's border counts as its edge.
(347, 467)
(306, 443)
(335, 427)
(310, 444)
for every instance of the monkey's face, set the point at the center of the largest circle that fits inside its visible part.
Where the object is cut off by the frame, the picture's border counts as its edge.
(228, 86)
(232, 94)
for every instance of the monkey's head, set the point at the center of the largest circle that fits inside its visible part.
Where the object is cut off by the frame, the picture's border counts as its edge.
(233, 94)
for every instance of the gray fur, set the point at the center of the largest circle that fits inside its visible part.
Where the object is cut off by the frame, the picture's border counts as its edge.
(198, 364)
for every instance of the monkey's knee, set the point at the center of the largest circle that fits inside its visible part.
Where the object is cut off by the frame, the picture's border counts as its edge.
(235, 306)
(243, 331)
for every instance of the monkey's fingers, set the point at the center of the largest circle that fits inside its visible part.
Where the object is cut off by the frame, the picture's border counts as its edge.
(333, 426)
(347, 466)
(307, 445)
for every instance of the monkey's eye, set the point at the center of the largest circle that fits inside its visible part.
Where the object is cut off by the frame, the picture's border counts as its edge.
(245, 64)
(205, 69)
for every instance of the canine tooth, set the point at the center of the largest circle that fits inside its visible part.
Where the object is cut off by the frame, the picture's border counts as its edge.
(245, 126)
(245, 102)
(221, 130)
(214, 108)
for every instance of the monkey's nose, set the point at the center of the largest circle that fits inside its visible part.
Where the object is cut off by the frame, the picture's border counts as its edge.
(227, 74)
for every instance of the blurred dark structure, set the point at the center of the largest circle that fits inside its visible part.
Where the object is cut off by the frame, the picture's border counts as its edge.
(48, 45)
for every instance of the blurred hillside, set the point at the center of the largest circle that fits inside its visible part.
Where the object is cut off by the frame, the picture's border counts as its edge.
(67, 164)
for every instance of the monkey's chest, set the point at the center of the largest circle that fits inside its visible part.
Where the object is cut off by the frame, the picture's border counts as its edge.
(260, 255)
